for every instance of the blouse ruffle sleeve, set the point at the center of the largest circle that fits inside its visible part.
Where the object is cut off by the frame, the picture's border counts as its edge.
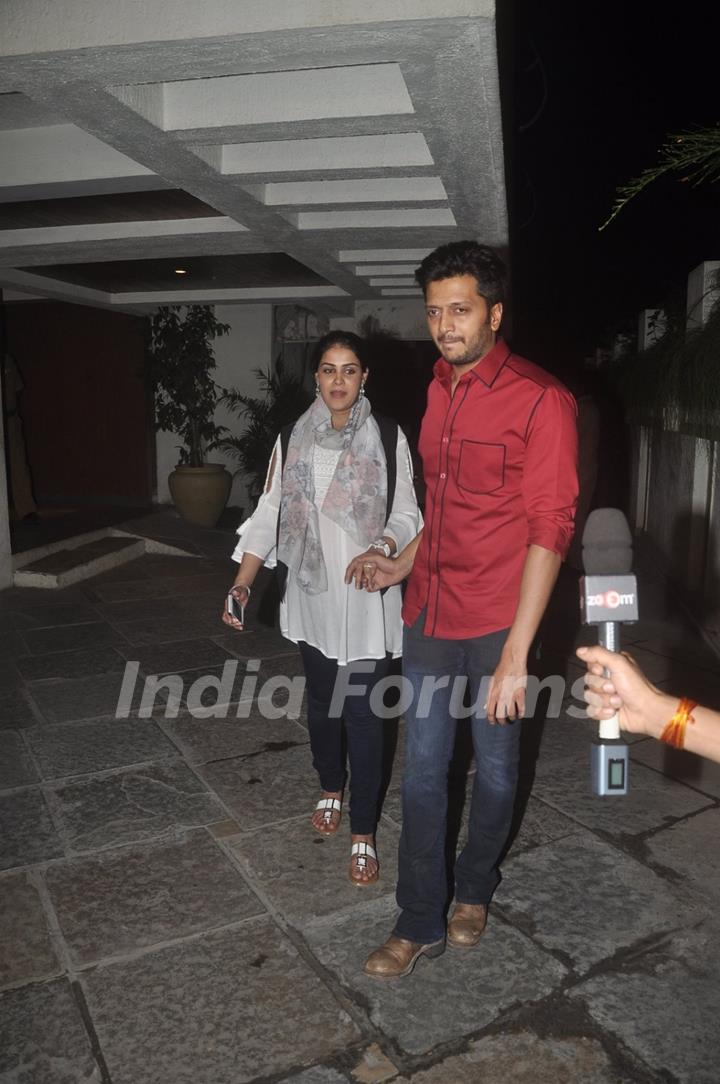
(258, 533)
(405, 519)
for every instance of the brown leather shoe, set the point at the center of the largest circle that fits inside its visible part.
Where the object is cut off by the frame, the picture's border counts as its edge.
(466, 924)
(397, 957)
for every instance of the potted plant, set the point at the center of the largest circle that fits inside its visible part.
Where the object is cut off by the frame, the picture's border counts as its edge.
(283, 400)
(181, 364)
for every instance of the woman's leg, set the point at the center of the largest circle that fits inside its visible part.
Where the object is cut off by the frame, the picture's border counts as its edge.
(365, 745)
(325, 729)
(364, 741)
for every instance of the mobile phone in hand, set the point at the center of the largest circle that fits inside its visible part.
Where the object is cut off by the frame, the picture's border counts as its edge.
(235, 608)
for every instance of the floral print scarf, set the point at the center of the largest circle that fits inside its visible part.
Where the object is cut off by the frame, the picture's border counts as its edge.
(356, 498)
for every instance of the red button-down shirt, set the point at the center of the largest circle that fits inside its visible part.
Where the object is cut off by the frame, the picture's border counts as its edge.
(499, 456)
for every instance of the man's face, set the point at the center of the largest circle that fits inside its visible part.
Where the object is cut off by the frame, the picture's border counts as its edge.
(460, 322)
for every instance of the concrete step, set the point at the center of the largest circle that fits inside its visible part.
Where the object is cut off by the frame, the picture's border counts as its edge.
(61, 564)
(65, 567)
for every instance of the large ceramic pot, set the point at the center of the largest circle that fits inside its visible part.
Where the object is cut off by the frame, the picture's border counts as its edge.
(200, 493)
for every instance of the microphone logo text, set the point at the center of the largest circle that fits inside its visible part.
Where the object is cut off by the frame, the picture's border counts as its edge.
(611, 599)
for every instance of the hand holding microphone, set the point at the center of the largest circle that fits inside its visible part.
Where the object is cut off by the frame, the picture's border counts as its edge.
(616, 686)
(616, 681)
(608, 597)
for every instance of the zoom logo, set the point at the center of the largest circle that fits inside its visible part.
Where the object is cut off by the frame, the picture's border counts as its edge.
(611, 600)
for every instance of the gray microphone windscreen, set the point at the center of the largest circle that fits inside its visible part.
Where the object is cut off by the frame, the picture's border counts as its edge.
(614, 560)
(607, 543)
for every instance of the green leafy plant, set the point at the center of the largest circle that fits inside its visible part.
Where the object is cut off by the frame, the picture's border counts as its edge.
(283, 399)
(694, 155)
(675, 382)
(181, 364)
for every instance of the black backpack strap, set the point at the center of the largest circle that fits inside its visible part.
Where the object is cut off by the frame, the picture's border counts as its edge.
(389, 437)
(285, 434)
(282, 569)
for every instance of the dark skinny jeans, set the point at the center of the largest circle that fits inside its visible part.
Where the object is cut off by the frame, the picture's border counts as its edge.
(363, 730)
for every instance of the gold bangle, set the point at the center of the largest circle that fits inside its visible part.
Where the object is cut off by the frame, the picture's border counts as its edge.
(674, 732)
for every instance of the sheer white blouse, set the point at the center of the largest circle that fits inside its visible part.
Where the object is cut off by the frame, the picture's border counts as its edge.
(343, 623)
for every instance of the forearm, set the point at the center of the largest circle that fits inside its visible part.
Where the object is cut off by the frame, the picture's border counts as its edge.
(701, 737)
(406, 558)
(374, 572)
(538, 579)
(247, 570)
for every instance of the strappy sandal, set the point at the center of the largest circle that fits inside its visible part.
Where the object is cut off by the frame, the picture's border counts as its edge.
(329, 807)
(359, 855)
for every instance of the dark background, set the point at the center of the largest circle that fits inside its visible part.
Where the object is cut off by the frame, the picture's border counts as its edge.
(595, 88)
(84, 405)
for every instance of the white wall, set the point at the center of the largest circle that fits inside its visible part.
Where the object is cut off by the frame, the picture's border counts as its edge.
(405, 318)
(247, 346)
(702, 293)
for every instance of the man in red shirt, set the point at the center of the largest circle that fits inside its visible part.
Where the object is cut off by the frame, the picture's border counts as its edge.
(498, 444)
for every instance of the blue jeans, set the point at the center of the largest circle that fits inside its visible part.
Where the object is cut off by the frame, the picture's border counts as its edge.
(363, 729)
(422, 891)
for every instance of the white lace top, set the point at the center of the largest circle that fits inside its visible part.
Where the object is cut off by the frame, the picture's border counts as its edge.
(344, 623)
(324, 463)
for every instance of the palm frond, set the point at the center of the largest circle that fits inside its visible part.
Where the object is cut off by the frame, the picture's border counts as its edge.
(693, 154)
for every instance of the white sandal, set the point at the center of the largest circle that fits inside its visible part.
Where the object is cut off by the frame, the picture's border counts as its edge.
(329, 806)
(359, 854)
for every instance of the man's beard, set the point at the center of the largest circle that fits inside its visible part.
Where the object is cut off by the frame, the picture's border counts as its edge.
(472, 354)
(466, 359)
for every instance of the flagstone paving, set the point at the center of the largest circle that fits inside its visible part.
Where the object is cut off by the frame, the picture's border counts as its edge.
(168, 915)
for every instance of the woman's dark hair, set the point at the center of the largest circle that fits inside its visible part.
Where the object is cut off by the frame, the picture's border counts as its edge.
(466, 258)
(348, 339)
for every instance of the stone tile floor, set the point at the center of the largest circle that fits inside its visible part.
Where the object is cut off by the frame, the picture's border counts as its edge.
(168, 916)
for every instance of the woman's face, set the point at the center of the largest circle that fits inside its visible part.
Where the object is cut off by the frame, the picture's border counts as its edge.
(339, 377)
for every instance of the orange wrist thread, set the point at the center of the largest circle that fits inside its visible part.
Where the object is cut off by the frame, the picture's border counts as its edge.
(674, 732)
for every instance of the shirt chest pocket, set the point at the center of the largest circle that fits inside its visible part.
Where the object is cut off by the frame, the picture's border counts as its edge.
(481, 466)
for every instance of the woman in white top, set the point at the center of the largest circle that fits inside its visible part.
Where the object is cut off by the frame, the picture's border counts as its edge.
(324, 506)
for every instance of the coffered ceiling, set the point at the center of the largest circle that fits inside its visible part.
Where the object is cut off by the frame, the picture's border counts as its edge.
(237, 150)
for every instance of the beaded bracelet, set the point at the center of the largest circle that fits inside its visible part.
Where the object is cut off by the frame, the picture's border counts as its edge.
(674, 732)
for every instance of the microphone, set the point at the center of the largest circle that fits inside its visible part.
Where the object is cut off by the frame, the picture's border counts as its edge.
(608, 598)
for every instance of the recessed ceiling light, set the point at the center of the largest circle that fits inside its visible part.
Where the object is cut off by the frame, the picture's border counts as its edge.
(180, 271)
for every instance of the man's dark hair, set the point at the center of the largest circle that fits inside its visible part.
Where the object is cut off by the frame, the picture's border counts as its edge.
(348, 339)
(466, 258)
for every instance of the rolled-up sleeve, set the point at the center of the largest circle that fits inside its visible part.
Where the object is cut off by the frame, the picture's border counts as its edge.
(405, 519)
(550, 484)
(258, 533)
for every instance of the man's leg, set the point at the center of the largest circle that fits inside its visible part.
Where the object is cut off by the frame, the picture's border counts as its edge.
(497, 751)
(430, 737)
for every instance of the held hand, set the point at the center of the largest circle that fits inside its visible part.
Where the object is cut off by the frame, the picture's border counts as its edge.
(372, 571)
(624, 690)
(506, 696)
(242, 594)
